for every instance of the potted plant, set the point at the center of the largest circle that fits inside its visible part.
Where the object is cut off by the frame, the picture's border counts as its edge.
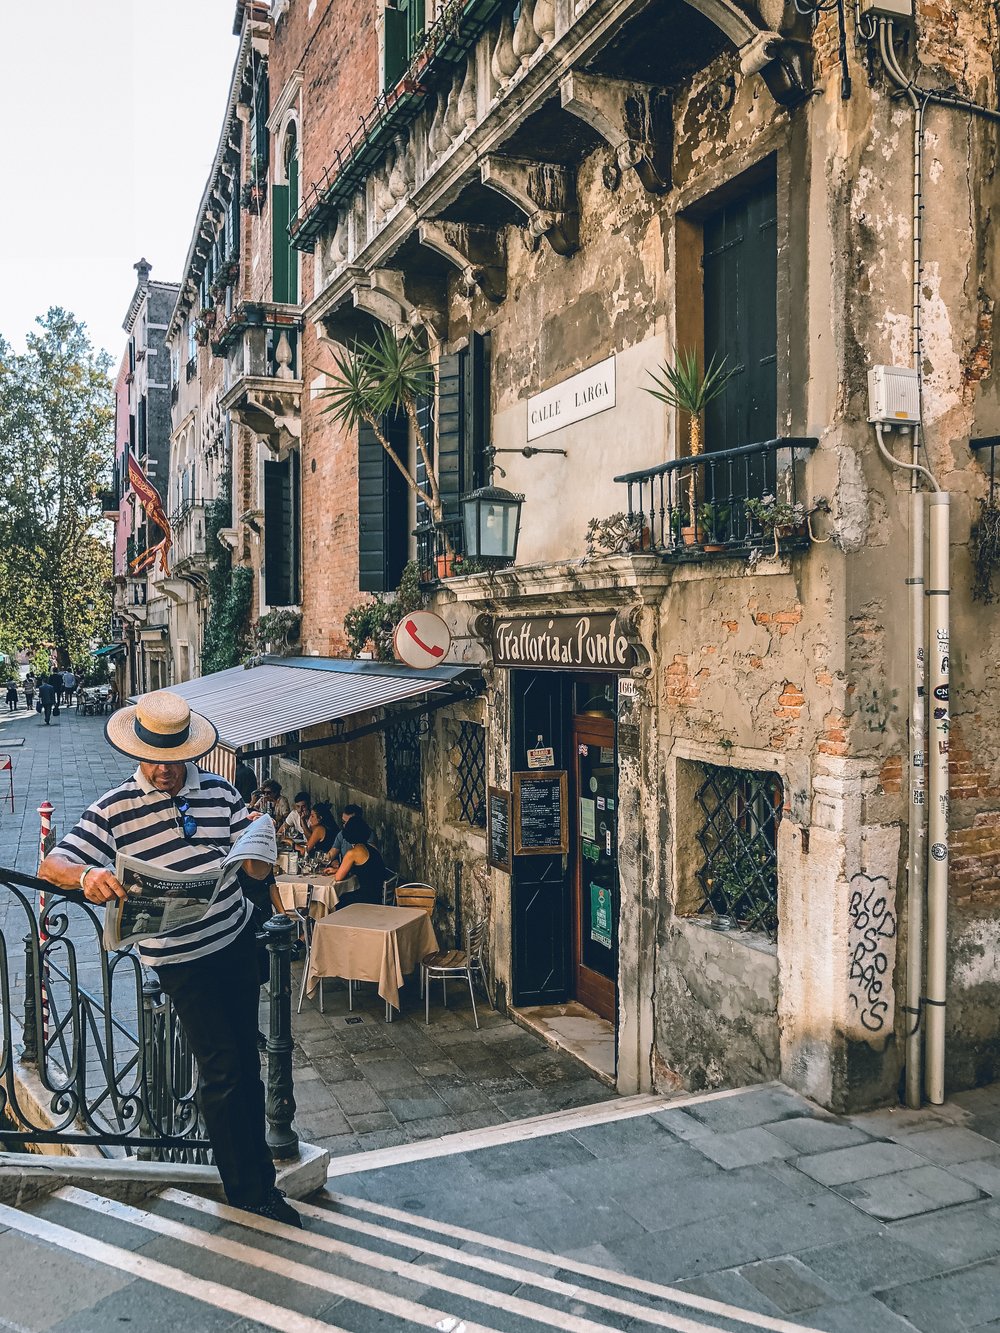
(682, 386)
(714, 520)
(206, 316)
(389, 374)
(618, 534)
(201, 333)
(777, 518)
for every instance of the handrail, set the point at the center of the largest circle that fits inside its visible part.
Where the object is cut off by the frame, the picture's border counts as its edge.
(722, 456)
(111, 1086)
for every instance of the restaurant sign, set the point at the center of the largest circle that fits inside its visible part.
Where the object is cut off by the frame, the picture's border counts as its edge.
(578, 642)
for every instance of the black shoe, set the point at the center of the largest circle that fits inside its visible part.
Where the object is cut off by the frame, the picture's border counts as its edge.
(277, 1209)
(261, 1041)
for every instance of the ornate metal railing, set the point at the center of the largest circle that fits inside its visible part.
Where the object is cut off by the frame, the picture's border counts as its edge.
(694, 506)
(440, 550)
(107, 1063)
(740, 812)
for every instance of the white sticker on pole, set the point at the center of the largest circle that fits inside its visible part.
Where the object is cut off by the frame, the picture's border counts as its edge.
(421, 639)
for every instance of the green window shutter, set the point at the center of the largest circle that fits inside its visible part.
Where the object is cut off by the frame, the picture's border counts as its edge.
(414, 25)
(476, 418)
(280, 285)
(278, 534)
(396, 55)
(293, 208)
(261, 138)
(740, 284)
(449, 432)
(383, 506)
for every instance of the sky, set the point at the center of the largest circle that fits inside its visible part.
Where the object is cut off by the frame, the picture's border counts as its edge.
(112, 112)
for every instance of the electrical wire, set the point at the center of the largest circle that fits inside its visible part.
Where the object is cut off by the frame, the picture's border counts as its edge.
(895, 462)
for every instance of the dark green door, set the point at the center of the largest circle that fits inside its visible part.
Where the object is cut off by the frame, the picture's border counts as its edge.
(740, 278)
(540, 885)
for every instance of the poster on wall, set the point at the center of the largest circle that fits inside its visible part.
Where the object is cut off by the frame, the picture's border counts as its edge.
(600, 915)
(541, 814)
(498, 828)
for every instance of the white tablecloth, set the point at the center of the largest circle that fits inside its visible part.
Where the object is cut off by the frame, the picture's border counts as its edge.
(368, 942)
(293, 890)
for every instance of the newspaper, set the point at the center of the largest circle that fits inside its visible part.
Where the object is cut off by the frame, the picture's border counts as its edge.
(158, 900)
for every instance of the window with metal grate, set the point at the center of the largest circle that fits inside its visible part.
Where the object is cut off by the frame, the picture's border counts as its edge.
(470, 770)
(741, 811)
(402, 762)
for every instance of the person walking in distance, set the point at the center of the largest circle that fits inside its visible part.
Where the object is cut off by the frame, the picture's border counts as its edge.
(172, 814)
(29, 691)
(69, 685)
(12, 696)
(47, 698)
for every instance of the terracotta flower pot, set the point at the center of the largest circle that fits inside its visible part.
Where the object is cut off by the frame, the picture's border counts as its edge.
(445, 565)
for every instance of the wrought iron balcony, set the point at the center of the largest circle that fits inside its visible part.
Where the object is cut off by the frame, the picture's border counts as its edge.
(705, 505)
(262, 346)
(187, 525)
(441, 551)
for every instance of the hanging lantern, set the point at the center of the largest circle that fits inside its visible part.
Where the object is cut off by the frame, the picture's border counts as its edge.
(492, 518)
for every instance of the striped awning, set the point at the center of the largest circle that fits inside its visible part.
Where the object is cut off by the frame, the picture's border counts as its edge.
(287, 694)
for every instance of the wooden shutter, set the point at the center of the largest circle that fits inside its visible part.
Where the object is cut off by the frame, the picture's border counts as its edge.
(395, 47)
(278, 533)
(449, 432)
(293, 208)
(740, 277)
(261, 137)
(383, 505)
(425, 420)
(281, 289)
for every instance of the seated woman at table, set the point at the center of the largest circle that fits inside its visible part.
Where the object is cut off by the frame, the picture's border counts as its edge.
(364, 862)
(321, 829)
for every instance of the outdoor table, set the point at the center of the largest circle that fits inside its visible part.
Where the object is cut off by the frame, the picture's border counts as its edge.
(293, 890)
(366, 942)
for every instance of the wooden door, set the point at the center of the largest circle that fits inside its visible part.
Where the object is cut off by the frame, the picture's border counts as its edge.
(594, 853)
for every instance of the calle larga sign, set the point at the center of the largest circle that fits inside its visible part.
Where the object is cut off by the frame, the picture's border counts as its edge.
(576, 642)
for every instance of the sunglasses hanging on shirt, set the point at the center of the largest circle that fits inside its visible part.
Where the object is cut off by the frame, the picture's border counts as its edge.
(188, 823)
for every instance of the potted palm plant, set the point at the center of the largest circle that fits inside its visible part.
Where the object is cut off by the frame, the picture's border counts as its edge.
(390, 374)
(684, 387)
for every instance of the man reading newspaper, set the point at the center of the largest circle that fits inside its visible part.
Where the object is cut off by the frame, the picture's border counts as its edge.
(173, 816)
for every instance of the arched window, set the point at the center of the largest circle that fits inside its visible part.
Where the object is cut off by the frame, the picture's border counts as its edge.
(285, 205)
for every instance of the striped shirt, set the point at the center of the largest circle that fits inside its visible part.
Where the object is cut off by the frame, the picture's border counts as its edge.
(140, 821)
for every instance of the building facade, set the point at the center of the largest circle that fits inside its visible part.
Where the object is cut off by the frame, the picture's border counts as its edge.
(728, 776)
(142, 427)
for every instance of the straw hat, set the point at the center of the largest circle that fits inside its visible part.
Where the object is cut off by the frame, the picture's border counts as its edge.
(161, 728)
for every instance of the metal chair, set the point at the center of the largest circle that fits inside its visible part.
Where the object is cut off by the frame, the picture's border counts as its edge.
(307, 921)
(457, 963)
(417, 895)
(389, 890)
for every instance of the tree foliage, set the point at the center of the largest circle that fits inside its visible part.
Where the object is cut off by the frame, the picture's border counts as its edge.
(56, 446)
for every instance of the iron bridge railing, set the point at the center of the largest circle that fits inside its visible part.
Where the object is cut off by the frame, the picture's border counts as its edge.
(697, 505)
(92, 1051)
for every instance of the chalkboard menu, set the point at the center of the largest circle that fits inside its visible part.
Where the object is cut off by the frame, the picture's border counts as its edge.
(498, 828)
(541, 814)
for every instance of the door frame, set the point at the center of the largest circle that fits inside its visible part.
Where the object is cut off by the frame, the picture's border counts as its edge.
(593, 991)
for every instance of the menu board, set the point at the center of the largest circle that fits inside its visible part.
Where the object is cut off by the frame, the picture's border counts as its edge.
(541, 816)
(498, 828)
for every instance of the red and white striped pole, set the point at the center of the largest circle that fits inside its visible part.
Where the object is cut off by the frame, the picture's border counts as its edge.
(45, 813)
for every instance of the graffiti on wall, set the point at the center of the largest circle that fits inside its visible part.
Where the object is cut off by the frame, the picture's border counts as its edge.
(872, 951)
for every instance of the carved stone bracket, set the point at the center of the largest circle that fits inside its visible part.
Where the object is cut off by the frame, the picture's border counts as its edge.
(421, 303)
(269, 408)
(477, 252)
(635, 119)
(628, 623)
(544, 192)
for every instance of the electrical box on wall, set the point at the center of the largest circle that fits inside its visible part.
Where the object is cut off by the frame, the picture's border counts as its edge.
(893, 396)
(887, 9)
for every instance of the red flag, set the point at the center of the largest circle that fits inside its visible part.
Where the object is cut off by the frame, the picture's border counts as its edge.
(149, 498)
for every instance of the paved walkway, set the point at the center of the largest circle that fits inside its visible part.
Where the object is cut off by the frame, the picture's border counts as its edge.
(360, 1083)
(717, 1213)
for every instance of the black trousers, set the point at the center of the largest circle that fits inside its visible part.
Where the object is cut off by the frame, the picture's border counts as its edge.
(216, 1001)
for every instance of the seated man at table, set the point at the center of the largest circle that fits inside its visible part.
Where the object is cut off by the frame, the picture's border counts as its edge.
(364, 862)
(269, 801)
(341, 843)
(294, 829)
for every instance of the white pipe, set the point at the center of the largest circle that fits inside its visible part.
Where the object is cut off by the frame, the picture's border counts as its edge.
(938, 671)
(917, 793)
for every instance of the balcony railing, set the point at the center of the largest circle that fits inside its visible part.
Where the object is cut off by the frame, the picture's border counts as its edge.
(697, 506)
(434, 558)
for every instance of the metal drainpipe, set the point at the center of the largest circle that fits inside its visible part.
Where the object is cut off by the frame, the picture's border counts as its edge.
(939, 595)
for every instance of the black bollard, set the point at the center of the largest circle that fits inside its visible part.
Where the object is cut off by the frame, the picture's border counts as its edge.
(29, 1054)
(281, 1137)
